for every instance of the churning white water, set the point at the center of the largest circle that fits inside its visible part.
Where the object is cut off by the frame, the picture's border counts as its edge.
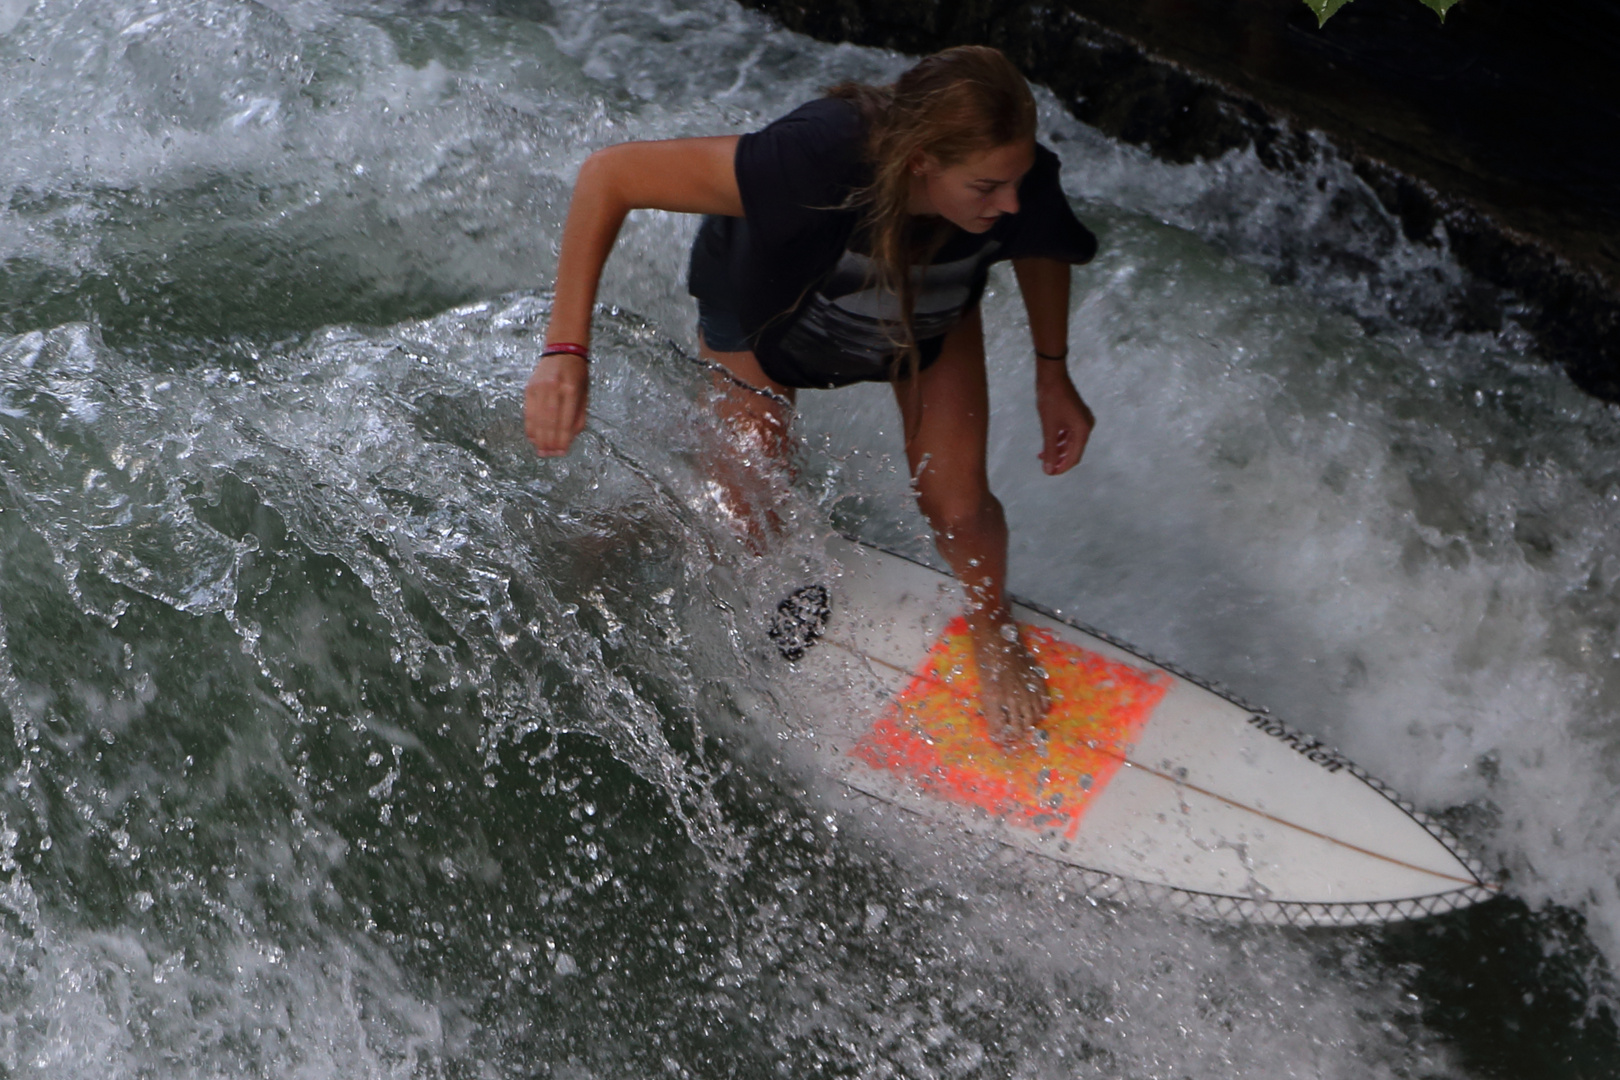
(352, 740)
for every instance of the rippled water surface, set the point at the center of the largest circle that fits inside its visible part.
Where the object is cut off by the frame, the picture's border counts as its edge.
(351, 740)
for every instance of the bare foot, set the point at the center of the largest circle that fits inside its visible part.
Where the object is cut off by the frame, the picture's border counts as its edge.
(1012, 687)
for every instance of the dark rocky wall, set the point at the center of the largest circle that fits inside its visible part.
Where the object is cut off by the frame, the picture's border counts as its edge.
(1502, 126)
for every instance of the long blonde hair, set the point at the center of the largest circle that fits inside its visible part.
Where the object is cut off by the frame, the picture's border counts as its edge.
(949, 106)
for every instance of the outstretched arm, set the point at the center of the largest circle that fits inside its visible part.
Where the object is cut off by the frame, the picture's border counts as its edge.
(690, 176)
(1066, 422)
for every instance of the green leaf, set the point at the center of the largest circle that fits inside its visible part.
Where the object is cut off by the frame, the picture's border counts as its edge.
(1440, 7)
(1325, 8)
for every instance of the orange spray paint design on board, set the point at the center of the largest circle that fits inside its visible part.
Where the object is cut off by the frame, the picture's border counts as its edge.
(934, 733)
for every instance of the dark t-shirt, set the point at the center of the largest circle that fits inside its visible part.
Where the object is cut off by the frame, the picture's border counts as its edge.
(794, 271)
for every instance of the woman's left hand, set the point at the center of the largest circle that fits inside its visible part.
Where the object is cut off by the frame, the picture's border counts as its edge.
(1066, 421)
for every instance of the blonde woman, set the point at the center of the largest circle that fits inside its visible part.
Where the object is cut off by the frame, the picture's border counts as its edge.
(850, 241)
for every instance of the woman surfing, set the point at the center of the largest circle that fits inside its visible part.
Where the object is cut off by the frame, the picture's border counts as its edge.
(851, 241)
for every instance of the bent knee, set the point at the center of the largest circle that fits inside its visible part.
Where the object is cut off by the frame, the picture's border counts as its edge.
(954, 513)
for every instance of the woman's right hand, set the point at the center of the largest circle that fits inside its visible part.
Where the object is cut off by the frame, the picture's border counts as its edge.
(554, 403)
(683, 176)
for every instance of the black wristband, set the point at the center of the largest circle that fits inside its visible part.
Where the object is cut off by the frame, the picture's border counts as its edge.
(1064, 355)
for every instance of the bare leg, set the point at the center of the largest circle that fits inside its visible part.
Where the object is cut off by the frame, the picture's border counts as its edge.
(946, 410)
(758, 428)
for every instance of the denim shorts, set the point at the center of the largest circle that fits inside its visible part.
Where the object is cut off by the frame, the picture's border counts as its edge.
(721, 328)
(722, 332)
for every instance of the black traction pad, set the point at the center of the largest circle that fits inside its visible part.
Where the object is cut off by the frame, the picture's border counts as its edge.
(800, 618)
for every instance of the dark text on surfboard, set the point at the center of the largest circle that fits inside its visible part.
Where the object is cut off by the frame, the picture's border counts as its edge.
(1312, 747)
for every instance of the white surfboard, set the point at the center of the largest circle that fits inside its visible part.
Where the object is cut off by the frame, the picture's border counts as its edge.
(1150, 785)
